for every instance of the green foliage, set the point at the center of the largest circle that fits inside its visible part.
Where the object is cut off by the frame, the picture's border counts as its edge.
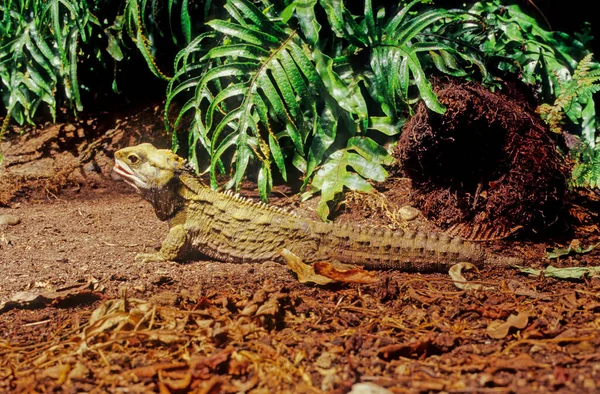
(574, 248)
(296, 88)
(38, 53)
(586, 170)
(136, 26)
(559, 64)
(540, 57)
(568, 273)
(364, 156)
(397, 47)
(241, 88)
(43, 43)
(142, 21)
(523, 47)
(572, 93)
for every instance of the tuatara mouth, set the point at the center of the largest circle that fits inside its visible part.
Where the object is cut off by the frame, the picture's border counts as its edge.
(125, 173)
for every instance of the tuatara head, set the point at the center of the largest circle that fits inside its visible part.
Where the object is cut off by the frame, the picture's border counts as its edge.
(145, 167)
(152, 173)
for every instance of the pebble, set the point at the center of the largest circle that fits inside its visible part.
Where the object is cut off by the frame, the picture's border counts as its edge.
(9, 220)
(368, 388)
(408, 213)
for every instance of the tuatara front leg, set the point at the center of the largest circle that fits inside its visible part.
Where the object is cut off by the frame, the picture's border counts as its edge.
(170, 249)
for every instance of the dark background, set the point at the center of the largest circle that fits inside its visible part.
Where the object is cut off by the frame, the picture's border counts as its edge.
(569, 16)
(566, 16)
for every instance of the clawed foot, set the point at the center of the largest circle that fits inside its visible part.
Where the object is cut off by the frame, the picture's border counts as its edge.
(144, 258)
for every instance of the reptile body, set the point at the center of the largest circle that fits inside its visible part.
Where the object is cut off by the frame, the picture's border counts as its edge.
(229, 228)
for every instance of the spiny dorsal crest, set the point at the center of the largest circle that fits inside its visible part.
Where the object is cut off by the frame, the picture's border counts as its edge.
(258, 204)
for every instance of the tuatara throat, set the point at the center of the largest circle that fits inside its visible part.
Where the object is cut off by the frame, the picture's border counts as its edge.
(228, 228)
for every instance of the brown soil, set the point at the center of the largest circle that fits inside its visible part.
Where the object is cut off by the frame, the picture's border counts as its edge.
(42, 161)
(485, 168)
(85, 318)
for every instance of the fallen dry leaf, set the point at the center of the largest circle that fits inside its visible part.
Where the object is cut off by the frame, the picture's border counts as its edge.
(305, 272)
(204, 367)
(499, 329)
(178, 384)
(521, 362)
(352, 275)
(431, 343)
(459, 280)
(270, 307)
(249, 310)
(149, 371)
(38, 298)
(325, 360)
(246, 386)
(323, 273)
(210, 386)
(79, 372)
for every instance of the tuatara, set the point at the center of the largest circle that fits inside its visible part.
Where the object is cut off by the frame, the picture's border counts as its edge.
(230, 228)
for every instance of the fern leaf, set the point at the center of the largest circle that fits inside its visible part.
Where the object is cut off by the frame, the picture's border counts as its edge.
(248, 34)
(259, 86)
(586, 171)
(258, 18)
(247, 51)
(272, 95)
(575, 101)
(343, 24)
(334, 177)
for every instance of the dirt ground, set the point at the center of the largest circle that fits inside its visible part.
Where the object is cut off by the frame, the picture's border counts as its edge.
(78, 315)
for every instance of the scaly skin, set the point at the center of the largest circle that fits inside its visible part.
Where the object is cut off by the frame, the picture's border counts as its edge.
(233, 229)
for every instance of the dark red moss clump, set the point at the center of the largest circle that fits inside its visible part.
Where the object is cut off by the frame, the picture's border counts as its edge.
(485, 168)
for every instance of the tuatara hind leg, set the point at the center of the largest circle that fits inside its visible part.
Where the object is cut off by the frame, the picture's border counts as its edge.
(170, 249)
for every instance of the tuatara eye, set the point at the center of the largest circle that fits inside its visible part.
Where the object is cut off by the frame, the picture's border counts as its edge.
(133, 159)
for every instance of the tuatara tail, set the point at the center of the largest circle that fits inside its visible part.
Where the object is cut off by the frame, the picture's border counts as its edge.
(494, 260)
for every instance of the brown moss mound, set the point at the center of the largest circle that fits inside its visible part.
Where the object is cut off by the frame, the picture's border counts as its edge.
(485, 168)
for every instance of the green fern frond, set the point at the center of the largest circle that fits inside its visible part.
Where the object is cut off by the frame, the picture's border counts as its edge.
(583, 69)
(259, 90)
(251, 93)
(586, 171)
(574, 95)
(39, 52)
